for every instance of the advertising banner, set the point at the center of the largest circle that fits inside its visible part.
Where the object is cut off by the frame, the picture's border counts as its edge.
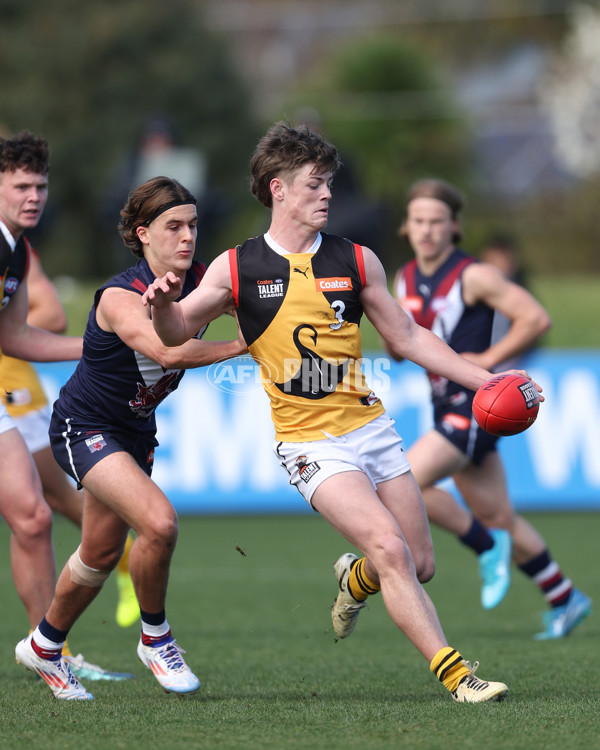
(216, 436)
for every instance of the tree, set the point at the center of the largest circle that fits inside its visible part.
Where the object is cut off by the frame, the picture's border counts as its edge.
(571, 94)
(86, 75)
(381, 101)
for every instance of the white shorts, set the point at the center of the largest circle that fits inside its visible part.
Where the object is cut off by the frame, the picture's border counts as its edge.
(375, 449)
(34, 428)
(6, 421)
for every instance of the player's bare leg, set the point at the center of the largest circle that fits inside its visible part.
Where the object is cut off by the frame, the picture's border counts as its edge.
(388, 528)
(60, 494)
(30, 520)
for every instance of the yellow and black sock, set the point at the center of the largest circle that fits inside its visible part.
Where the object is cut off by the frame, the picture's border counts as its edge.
(359, 585)
(447, 665)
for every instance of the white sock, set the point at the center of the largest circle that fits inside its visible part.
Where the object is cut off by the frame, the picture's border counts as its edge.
(155, 631)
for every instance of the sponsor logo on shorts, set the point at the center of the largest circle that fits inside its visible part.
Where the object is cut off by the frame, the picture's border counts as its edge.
(306, 470)
(95, 443)
(334, 284)
(456, 422)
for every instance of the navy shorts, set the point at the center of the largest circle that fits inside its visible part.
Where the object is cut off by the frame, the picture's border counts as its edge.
(453, 418)
(77, 447)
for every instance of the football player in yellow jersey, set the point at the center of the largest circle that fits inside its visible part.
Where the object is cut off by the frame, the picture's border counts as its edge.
(299, 294)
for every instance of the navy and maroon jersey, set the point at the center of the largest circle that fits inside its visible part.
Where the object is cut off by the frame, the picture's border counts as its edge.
(113, 386)
(436, 303)
(300, 315)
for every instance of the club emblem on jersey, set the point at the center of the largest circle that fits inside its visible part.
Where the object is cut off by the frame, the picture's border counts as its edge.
(148, 397)
(95, 443)
(315, 378)
(7, 288)
(369, 400)
(10, 285)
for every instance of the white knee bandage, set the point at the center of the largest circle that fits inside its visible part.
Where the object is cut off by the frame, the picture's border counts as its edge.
(84, 575)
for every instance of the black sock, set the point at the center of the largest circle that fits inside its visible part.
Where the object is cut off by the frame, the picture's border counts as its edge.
(477, 538)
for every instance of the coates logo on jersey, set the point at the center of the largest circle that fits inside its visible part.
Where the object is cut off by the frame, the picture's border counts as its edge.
(268, 288)
(334, 284)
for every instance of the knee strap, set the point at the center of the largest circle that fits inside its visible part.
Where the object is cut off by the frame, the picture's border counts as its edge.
(83, 575)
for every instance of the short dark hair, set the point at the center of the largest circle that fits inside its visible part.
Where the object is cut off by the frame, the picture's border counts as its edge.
(282, 150)
(24, 151)
(440, 190)
(145, 203)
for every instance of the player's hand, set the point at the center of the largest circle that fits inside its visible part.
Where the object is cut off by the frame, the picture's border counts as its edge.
(524, 374)
(162, 291)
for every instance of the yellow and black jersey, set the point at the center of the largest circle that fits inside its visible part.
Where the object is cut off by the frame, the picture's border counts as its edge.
(20, 390)
(300, 316)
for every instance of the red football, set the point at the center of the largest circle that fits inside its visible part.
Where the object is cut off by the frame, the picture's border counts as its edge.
(506, 405)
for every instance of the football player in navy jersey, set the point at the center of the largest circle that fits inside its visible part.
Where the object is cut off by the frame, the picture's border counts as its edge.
(300, 294)
(103, 434)
(24, 166)
(459, 299)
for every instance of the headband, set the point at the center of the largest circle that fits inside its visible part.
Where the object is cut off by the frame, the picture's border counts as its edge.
(156, 214)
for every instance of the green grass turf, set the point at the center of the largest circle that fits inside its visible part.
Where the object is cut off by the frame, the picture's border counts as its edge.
(256, 630)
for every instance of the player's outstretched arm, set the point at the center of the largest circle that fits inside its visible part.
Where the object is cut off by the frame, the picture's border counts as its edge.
(408, 340)
(483, 283)
(176, 322)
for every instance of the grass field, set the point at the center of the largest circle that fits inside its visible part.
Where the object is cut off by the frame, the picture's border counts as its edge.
(257, 632)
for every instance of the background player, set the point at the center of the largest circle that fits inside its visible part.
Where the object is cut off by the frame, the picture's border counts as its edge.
(25, 400)
(24, 163)
(446, 291)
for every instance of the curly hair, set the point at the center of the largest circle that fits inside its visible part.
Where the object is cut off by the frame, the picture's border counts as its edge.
(145, 203)
(282, 150)
(25, 151)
